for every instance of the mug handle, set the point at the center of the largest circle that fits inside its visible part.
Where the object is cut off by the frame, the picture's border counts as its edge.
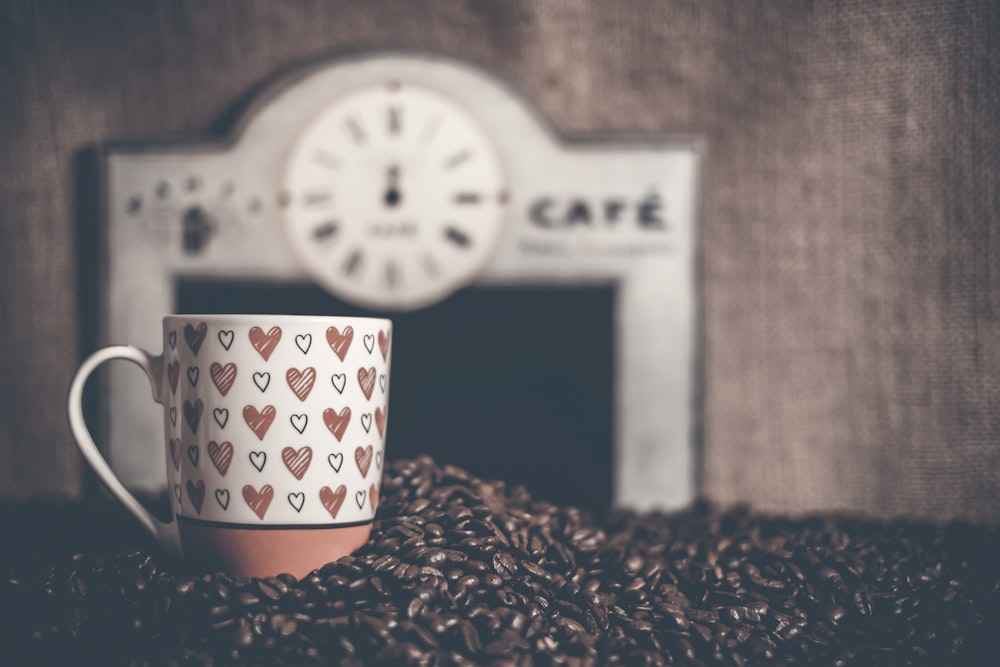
(165, 533)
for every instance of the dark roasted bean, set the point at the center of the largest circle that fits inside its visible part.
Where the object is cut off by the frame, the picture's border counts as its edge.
(461, 571)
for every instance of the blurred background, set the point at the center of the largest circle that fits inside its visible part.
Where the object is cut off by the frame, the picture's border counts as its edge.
(850, 221)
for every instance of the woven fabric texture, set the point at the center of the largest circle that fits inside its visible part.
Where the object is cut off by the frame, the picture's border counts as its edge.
(849, 221)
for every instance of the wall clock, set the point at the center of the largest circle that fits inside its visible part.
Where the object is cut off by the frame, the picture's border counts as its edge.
(393, 178)
(398, 195)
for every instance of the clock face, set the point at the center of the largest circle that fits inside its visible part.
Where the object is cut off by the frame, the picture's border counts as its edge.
(396, 196)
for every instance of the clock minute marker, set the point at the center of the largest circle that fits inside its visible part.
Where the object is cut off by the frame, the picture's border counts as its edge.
(457, 159)
(391, 274)
(458, 237)
(355, 130)
(469, 198)
(352, 263)
(430, 130)
(429, 265)
(395, 120)
(317, 198)
(326, 159)
(326, 231)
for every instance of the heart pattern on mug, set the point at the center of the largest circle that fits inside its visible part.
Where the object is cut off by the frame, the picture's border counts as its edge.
(192, 413)
(259, 422)
(221, 455)
(195, 336)
(337, 421)
(297, 500)
(366, 378)
(175, 452)
(297, 460)
(332, 500)
(265, 343)
(299, 422)
(258, 501)
(173, 375)
(339, 342)
(232, 379)
(258, 460)
(383, 343)
(363, 457)
(196, 494)
(262, 380)
(301, 382)
(223, 377)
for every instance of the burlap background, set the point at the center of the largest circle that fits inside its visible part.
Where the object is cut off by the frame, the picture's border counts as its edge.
(850, 223)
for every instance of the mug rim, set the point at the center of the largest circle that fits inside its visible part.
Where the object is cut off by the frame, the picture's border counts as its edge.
(232, 317)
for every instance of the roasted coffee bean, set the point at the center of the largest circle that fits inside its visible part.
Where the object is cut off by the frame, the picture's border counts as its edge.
(464, 571)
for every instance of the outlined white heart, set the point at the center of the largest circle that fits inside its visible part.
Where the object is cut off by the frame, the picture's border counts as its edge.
(226, 338)
(221, 416)
(366, 421)
(297, 500)
(359, 498)
(369, 343)
(258, 460)
(299, 422)
(339, 382)
(262, 380)
(304, 342)
(335, 461)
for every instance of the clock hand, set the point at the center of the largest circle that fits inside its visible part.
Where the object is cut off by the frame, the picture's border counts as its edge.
(393, 195)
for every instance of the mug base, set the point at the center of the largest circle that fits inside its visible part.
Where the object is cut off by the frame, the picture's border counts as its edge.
(255, 552)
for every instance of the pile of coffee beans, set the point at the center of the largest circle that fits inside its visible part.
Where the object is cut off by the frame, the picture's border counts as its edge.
(461, 571)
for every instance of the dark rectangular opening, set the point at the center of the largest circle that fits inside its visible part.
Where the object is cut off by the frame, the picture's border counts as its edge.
(515, 384)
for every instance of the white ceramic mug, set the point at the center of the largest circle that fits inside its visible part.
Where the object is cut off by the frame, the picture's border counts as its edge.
(274, 435)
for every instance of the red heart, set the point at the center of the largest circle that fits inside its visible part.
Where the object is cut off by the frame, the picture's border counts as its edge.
(173, 374)
(175, 452)
(373, 496)
(221, 455)
(265, 343)
(258, 501)
(332, 500)
(380, 417)
(195, 337)
(301, 382)
(340, 342)
(337, 422)
(366, 378)
(297, 462)
(259, 422)
(223, 376)
(383, 343)
(363, 457)
(196, 492)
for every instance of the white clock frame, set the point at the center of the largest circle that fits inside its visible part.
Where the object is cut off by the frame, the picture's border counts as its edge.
(580, 212)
